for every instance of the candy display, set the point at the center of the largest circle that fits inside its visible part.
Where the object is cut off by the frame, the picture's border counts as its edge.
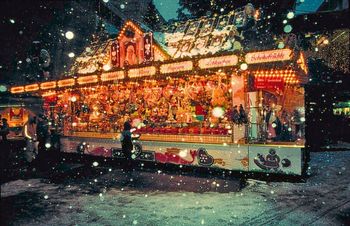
(175, 105)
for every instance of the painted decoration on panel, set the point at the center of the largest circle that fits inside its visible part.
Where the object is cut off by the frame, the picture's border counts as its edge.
(147, 48)
(275, 159)
(115, 58)
(130, 57)
(225, 157)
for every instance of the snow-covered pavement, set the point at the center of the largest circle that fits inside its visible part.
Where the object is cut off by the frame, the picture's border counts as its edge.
(105, 196)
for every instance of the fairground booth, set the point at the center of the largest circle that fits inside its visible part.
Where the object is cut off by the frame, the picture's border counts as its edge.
(205, 92)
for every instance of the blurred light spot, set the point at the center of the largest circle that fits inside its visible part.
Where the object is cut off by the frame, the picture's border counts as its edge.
(244, 66)
(218, 112)
(69, 35)
(106, 67)
(290, 15)
(71, 54)
(288, 28)
(280, 45)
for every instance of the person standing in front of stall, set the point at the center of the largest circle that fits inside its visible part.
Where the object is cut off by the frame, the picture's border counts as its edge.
(4, 144)
(42, 132)
(127, 145)
(31, 139)
(5, 129)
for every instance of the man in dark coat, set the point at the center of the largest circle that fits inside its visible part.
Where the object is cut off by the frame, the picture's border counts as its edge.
(42, 132)
(127, 145)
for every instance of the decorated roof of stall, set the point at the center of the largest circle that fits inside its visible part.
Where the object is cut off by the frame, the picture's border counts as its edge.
(203, 36)
(208, 35)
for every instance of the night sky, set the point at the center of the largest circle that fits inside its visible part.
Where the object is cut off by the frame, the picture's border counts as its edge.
(21, 22)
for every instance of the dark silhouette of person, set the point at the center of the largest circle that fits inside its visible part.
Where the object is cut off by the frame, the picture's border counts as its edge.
(235, 115)
(127, 145)
(42, 132)
(242, 114)
(5, 129)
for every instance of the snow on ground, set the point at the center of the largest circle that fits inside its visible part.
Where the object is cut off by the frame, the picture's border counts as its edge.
(106, 199)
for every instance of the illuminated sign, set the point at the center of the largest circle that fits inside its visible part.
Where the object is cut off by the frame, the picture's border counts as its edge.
(32, 87)
(48, 85)
(87, 79)
(269, 83)
(17, 89)
(222, 61)
(141, 72)
(112, 76)
(176, 67)
(66, 82)
(268, 56)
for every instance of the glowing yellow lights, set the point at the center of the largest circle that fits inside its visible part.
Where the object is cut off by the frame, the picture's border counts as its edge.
(32, 87)
(48, 85)
(87, 79)
(289, 76)
(50, 93)
(106, 67)
(142, 72)
(112, 76)
(302, 64)
(66, 82)
(17, 89)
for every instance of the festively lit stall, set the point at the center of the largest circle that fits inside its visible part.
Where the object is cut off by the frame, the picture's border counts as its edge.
(194, 93)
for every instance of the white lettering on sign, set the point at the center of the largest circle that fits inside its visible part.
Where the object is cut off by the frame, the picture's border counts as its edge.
(176, 67)
(110, 76)
(268, 56)
(222, 61)
(142, 72)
